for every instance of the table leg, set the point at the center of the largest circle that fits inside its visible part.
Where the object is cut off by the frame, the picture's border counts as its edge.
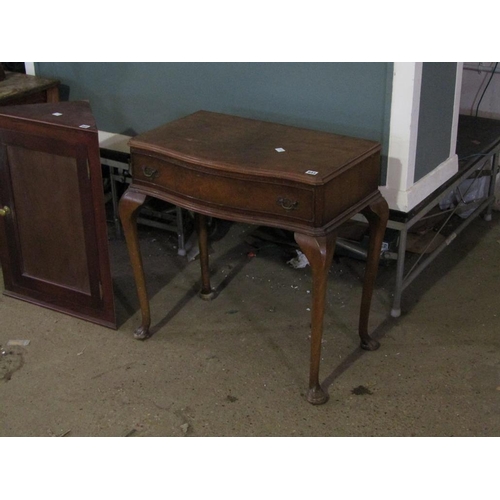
(377, 214)
(129, 206)
(206, 292)
(319, 252)
(52, 95)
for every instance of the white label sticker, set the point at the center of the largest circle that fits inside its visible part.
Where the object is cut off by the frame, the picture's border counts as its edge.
(84, 126)
(57, 114)
(280, 150)
(311, 172)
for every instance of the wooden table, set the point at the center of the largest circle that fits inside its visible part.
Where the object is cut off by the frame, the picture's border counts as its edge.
(262, 173)
(18, 88)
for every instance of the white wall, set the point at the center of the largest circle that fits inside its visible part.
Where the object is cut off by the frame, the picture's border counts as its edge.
(473, 85)
(30, 68)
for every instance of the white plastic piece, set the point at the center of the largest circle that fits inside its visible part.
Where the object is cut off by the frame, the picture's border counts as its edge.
(395, 313)
(22, 343)
(299, 262)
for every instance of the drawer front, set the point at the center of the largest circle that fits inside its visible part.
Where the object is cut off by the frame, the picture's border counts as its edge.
(223, 191)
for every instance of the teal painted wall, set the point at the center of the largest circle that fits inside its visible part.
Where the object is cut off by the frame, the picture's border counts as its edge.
(130, 98)
(437, 99)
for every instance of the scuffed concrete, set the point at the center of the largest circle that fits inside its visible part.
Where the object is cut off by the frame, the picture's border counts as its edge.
(238, 366)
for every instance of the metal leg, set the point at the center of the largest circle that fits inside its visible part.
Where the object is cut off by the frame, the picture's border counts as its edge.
(491, 191)
(114, 200)
(396, 306)
(180, 232)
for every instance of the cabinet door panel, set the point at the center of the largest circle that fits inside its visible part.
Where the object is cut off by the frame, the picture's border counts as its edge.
(33, 174)
(54, 241)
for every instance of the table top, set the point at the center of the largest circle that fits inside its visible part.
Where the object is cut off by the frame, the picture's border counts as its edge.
(255, 147)
(257, 172)
(19, 85)
(68, 114)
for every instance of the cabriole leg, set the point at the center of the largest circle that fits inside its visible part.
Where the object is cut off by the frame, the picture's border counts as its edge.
(377, 214)
(130, 203)
(319, 252)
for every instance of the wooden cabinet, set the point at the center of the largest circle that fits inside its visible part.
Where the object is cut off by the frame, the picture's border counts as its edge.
(53, 236)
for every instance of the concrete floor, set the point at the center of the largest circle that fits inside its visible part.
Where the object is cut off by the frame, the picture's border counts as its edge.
(238, 366)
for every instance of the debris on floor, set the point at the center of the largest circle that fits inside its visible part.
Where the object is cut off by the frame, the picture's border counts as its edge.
(21, 343)
(299, 262)
(10, 362)
(361, 390)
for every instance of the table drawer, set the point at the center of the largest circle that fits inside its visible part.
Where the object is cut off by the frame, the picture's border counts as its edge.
(223, 190)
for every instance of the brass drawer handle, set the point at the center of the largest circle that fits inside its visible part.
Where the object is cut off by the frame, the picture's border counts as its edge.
(4, 211)
(287, 204)
(150, 173)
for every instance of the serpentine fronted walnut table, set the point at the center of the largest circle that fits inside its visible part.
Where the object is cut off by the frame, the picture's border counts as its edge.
(262, 173)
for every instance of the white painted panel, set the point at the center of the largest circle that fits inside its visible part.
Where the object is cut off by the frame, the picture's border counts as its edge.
(400, 190)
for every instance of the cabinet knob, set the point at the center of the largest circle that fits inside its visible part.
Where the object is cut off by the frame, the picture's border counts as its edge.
(4, 211)
(149, 172)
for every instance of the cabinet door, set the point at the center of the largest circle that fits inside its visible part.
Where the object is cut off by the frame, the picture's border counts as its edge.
(53, 236)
